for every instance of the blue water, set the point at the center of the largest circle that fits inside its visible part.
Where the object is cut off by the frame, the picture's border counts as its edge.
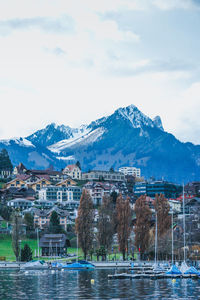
(80, 285)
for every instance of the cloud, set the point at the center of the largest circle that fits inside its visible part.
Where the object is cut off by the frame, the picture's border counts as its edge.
(121, 67)
(55, 51)
(51, 25)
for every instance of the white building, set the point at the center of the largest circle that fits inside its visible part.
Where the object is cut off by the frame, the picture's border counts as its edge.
(73, 171)
(20, 203)
(130, 171)
(175, 206)
(53, 193)
(103, 175)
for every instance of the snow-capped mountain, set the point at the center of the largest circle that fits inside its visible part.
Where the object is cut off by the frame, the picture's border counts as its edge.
(125, 138)
(18, 141)
(51, 134)
(85, 138)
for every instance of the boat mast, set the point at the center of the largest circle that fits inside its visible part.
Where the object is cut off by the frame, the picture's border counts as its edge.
(183, 222)
(77, 248)
(156, 240)
(172, 237)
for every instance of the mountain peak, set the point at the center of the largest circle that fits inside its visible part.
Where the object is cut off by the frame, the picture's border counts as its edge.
(135, 116)
(157, 121)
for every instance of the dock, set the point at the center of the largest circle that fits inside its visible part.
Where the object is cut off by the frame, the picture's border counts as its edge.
(151, 276)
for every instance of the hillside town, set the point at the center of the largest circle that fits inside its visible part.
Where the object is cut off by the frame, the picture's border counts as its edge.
(38, 196)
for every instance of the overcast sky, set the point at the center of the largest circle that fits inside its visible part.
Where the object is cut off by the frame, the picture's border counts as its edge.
(73, 61)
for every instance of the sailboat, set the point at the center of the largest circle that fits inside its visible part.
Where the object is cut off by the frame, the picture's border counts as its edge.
(79, 264)
(157, 268)
(173, 271)
(185, 269)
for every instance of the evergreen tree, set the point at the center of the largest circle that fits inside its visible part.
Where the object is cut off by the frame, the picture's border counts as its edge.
(123, 211)
(5, 162)
(85, 222)
(5, 212)
(26, 253)
(29, 221)
(54, 224)
(114, 196)
(111, 169)
(78, 164)
(142, 226)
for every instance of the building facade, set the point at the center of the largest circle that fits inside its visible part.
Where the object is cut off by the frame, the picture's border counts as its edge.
(54, 244)
(98, 190)
(42, 217)
(136, 172)
(60, 194)
(169, 190)
(20, 203)
(73, 171)
(103, 175)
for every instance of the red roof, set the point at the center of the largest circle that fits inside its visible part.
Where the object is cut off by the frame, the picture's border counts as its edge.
(71, 167)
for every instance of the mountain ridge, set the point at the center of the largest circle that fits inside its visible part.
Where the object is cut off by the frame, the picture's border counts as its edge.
(126, 137)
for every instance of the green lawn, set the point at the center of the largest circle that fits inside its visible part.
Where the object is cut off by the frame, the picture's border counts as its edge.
(7, 251)
(6, 246)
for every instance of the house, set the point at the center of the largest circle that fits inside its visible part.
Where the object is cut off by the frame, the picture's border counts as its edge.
(98, 190)
(20, 169)
(66, 182)
(42, 217)
(103, 175)
(39, 184)
(14, 192)
(43, 204)
(16, 183)
(191, 205)
(5, 173)
(192, 188)
(71, 205)
(73, 171)
(20, 203)
(54, 176)
(54, 244)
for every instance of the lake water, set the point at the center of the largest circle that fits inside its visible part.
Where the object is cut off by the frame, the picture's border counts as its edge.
(80, 285)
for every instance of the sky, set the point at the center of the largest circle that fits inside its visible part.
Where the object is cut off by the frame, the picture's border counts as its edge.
(74, 61)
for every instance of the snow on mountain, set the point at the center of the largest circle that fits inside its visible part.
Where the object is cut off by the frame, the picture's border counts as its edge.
(67, 158)
(135, 116)
(81, 138)
(19, 141)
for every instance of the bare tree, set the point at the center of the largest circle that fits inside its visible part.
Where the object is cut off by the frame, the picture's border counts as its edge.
(162, 209)
(142, 226)
(85, 222)
(124, 223)
(105, 224)
(16, 232)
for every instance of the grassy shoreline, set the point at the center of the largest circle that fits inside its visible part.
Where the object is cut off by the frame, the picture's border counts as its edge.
(7, 251)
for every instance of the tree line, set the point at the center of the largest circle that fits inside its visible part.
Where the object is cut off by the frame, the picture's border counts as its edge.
(118, 218)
